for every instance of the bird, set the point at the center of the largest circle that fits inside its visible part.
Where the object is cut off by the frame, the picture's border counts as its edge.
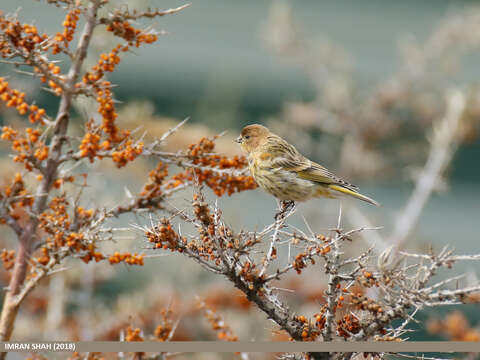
(281, 170)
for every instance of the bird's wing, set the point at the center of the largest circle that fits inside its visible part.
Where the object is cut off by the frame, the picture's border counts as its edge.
(288, 158)
(318, 173)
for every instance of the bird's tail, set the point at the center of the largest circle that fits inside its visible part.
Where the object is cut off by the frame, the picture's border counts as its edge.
(355, 194)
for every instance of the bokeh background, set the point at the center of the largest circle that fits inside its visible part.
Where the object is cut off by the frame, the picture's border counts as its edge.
(357, 86)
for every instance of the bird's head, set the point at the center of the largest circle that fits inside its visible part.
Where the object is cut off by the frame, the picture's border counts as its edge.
(252, 136)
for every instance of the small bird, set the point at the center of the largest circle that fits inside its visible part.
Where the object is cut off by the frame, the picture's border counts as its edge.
(282, 171)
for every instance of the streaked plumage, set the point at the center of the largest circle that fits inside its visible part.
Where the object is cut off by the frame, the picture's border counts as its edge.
(281, 170)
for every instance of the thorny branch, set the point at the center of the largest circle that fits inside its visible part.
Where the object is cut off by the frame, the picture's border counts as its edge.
(11, 303)
(71, 231)
(444, 142)
(401, 291)
(121, 15)
(443, 146)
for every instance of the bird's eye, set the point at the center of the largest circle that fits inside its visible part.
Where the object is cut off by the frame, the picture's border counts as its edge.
(247, 137)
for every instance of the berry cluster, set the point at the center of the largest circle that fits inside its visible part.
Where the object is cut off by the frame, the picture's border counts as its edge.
(69, 26)
(16, 37)
(164, 237)
(348, 325)
(367, 279)
(455, 327)
(224, 332)
(300, 261)
(95, 81)
(310, 330)
(56, 223)
(153, 188)
(16, 99)
(221, 183)
(8, 259)
(127, 258)
(135, 37)
(18, 195)
(163, 332)
(133, 334)
(364, 303)
(28, 147)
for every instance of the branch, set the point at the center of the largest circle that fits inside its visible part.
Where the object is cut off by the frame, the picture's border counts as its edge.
(135, 15)
(10, 304)
(279, 221)
(442, 150)
(269, 304)
(332, 268)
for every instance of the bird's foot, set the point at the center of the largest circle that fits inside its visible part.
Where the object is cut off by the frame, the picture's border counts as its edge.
(285, 206)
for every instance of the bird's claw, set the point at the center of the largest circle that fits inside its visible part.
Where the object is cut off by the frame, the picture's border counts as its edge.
(285, 206)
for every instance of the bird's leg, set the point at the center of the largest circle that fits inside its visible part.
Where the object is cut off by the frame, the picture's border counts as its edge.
(288, 205)
(285, 206)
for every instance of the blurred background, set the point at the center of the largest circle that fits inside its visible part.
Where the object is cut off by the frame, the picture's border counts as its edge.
(358, 86)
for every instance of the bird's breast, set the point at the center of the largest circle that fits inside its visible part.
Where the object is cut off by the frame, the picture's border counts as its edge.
(281, 183)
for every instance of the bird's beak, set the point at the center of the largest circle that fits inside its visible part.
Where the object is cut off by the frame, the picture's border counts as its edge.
(238, 140)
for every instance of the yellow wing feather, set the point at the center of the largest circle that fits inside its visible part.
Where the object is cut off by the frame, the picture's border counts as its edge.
(357, 195)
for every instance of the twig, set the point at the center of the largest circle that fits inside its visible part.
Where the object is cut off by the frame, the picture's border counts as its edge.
(332, 268)
(279, 221)
(444, 145)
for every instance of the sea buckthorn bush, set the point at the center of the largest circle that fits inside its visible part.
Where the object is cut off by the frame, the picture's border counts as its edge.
(268, 273)
(38, 202)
